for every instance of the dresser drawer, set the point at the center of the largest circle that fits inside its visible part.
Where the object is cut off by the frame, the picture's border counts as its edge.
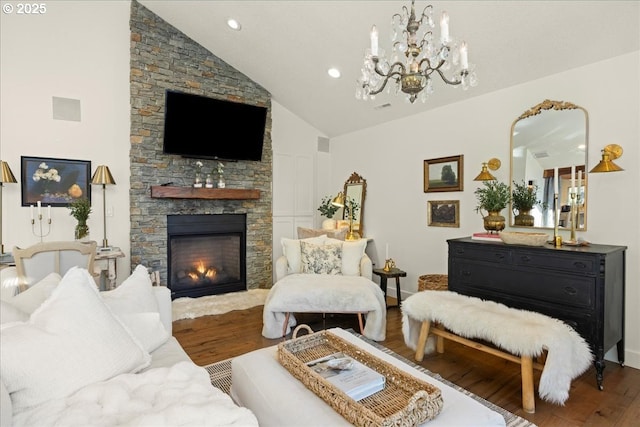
(557, 261)
(548, 286)
(489, 253)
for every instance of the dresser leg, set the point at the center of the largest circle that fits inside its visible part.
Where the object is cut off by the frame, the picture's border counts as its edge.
(599, 373)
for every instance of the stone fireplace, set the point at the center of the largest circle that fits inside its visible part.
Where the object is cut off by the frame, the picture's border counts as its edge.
(164, 58)
(206, 254)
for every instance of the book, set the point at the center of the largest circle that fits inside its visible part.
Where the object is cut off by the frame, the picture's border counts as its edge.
(355, 379)
(488, 237)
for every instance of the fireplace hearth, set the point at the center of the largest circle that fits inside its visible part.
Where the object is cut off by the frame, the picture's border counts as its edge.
(206, 254)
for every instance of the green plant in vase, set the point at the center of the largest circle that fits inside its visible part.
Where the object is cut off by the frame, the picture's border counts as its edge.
(524, 198)
(328, 210)
(80, 210)
(493, 197)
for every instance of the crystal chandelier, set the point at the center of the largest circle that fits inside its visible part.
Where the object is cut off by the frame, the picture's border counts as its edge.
(424, 56)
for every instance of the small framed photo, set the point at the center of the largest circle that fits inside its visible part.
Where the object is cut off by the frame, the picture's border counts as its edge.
(443, 174)
(443, 213)
(55, 182)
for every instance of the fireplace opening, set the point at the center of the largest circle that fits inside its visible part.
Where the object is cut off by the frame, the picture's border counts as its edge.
(206, 254)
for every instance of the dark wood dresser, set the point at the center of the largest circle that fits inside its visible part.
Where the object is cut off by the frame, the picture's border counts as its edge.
(583, 286)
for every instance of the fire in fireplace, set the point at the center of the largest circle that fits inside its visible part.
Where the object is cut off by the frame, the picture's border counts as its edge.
(206, 254)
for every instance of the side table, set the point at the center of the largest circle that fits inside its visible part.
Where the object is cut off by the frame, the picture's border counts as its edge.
(105, 264)
(384, 275)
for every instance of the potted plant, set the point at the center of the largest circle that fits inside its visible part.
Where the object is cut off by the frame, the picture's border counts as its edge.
(80, 210)
(493, 197)
(328, 210)
(523, 198)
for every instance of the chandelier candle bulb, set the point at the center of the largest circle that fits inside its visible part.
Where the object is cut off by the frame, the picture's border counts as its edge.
(556, 178)
(39, 209)
(464, 59)
(374, 41)
(579, 180)
(444, 28)
(573, 177)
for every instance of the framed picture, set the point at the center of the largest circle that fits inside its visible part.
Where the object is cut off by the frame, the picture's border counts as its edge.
(443, 213)
(55, 182)
(443, 174)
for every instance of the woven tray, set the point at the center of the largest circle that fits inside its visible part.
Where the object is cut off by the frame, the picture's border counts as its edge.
(405, 400)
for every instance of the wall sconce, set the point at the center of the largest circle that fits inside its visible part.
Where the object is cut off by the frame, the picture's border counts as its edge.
(609, 153)
(485, 175)
(103, 176)
(6, 176)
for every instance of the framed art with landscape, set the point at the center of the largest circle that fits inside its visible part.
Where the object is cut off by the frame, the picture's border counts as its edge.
(55, 182)
(443, 174)
(443, 213)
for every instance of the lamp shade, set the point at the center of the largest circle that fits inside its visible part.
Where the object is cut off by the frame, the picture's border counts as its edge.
(7, 175)
(103, 176)
(606, 164)
(484, 174)
(338, 200)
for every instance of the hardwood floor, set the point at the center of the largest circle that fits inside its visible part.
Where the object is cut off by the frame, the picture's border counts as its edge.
(210, 339)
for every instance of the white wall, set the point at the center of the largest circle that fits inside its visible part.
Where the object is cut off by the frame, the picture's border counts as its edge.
(76, 50)
(396, 206)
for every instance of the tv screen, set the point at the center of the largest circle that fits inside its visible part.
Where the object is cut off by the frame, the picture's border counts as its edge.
(201, 127)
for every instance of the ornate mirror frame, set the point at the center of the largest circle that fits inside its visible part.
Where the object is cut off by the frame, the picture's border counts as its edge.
(552, 134)
(355, 188)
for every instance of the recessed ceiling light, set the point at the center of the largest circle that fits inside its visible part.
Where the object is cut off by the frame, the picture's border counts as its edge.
(233, 24)
(334, 72)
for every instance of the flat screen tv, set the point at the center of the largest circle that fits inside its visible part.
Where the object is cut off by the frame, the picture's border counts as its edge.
(201, 127)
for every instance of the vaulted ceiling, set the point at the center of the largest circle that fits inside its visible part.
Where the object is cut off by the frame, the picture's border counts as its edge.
(287, 47)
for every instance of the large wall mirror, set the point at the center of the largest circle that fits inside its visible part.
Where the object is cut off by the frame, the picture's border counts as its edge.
(355, 188)
(550, 135)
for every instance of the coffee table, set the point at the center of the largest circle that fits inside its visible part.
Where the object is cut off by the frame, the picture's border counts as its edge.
(261, 384)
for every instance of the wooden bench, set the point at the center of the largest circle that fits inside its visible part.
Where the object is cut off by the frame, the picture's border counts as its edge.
(526, 363)
(520, 336)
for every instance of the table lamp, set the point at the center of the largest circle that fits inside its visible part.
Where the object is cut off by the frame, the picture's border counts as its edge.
(5, 176)
(102, 176)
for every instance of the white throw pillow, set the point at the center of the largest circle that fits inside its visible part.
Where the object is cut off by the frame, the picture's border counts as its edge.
(291, 250)
(352, 253)
(70, 341)
(36, 294)
(136, 306)
(321, 259)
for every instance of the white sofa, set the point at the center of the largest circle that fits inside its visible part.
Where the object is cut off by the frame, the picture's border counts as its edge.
(73, 355)
(323, 275)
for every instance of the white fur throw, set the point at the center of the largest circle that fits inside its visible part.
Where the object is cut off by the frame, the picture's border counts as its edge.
(322, 293)
(519, 332)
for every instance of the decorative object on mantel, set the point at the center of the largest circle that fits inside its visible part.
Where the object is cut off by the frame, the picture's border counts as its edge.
(609, 154)
(493, 198)
(6, 176)
(351, 208)
(328, 210)
(102, 176)
(424, 57)
(197, 180)
(220, 169)
(484, 175)
(208, 182)
(80, 210)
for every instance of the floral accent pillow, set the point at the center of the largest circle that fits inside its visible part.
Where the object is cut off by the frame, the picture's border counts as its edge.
(321, 259)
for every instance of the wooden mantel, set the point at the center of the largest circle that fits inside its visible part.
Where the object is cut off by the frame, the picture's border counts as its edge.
(167, 192)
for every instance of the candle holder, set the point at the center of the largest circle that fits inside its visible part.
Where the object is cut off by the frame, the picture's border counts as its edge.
(574, 216)
(557, 238)
(389, 264)
(40, 233)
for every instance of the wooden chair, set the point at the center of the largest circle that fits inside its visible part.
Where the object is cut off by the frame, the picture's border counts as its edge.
(37, 261)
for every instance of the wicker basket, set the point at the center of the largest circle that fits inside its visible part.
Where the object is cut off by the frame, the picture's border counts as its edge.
(405, 400)
(433, 282)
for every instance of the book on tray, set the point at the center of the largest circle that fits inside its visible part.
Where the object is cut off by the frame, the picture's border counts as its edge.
(489, 237)
(355, 379)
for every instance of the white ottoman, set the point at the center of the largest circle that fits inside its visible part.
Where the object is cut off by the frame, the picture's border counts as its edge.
(278, 399)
